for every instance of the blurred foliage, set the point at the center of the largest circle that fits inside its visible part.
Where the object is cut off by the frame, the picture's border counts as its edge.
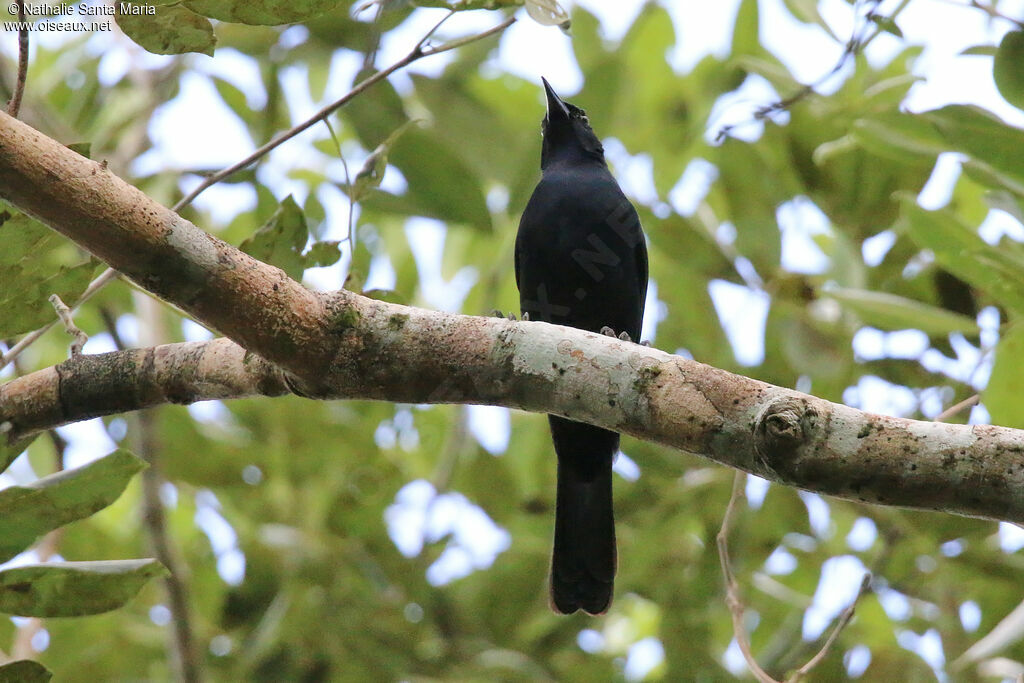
(64, 589)
(301, 494)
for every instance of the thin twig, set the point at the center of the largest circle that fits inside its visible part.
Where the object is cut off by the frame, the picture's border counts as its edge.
(14, 106)
(732, 591)
(417, 52)
(348, 184)
(64, 313)
(736, 607)
(841, 623)
(992, 12)
(374, 39)
(857, 43)
(956, 409)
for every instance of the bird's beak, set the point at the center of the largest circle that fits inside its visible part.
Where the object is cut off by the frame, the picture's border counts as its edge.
(557, 111)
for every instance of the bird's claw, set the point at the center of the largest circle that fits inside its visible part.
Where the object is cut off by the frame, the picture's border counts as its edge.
(498, 314)
(646, 342)
(609, 332)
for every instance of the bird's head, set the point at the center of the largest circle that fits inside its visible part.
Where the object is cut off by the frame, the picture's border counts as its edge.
(567, 132)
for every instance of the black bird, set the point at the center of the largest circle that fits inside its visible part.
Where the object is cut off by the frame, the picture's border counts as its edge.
(581, 261)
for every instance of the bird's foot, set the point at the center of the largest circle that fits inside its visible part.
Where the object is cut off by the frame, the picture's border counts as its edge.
(609, 332)
(511, 316)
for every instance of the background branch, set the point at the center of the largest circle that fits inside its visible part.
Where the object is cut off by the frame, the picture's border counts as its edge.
(732, 589)
(418, 52)
(182, 640)
(14, 105)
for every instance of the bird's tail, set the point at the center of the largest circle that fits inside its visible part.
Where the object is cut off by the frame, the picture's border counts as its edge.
(583, 559)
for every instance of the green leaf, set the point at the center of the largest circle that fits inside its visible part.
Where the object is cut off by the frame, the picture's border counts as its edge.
(887, 24)
(745, 31)
(359, 267)
(261, 12)
(807, 12)
(980, 51)
(372, 173)
(891, 312)
(548, 13)
(659, 114)
(166, 29)
(10, 451)
(338, 28)
(317, 76)
(457, 110)
(36, 262)
(993, 145)
(998, 271)
(1002, 395)
(441, 185)
(888, 93)
(234, 97)
(893, 135)
(754, 180)
(315, 214)
(24, 671)
(28, 512)
(281, 239)
(1008, 68)
(83, 148)
(322, 254)
(74, 589)
(376, 113)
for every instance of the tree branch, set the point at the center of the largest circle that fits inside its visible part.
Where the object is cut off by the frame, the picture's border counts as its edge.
(14, 105)
(341, 345)
(186, 658)
(94, 385)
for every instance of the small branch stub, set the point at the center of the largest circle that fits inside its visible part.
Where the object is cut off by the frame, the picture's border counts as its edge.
(64, 313)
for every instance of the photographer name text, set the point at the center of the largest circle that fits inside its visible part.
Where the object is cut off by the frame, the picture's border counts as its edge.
(57, 10)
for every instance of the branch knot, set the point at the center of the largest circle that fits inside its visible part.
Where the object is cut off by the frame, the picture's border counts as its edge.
(781, 428)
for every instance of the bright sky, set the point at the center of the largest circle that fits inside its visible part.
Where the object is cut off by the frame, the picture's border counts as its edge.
(196, 130)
